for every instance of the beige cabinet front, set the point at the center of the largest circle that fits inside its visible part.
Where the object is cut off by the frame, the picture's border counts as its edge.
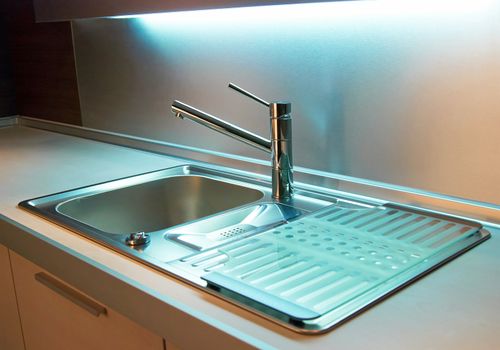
(11, 337)
(56, 316)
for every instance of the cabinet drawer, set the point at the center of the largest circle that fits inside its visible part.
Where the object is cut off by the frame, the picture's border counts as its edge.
(54, 315)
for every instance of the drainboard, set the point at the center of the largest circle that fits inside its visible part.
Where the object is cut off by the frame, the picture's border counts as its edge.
(319, 270)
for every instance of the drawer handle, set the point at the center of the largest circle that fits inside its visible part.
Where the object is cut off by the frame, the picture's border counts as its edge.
(70, 294)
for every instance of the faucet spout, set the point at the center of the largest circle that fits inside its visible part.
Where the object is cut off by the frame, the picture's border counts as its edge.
(183, 110)
(279, 145)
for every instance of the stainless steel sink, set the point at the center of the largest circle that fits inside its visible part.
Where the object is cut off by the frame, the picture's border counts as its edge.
(157, 204)
(308, 263)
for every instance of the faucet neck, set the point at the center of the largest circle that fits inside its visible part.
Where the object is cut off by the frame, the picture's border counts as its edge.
(281, 144)
(281, 150)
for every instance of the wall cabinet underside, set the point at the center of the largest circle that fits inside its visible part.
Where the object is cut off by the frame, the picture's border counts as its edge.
(60, 10)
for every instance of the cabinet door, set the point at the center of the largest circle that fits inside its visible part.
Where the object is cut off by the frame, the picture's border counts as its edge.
(10, 326)
(56, 316)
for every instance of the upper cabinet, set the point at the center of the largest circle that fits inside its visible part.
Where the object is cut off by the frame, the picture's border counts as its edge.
(62, 10)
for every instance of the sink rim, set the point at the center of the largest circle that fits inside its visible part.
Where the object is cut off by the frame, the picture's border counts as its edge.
(325, 323)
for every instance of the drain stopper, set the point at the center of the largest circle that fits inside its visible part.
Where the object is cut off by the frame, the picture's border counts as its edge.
(137, 238)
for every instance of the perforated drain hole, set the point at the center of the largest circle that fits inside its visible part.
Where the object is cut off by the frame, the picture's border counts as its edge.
(231, 232)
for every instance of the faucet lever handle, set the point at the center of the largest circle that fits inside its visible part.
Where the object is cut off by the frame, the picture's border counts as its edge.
(248, 94)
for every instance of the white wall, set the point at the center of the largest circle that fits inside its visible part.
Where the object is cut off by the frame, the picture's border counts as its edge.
(405, 92)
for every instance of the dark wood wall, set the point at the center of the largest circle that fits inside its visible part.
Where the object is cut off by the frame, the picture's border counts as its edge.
(7, 94)
(42, 67)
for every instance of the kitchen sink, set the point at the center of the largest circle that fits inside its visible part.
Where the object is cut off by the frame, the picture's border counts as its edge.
(157, 204)
(166, 214)
(308, 263)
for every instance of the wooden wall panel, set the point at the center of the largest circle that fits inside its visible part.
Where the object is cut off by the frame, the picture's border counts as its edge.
(43, 64)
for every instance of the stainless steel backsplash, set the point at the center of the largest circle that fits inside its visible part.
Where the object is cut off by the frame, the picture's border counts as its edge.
(408, 95)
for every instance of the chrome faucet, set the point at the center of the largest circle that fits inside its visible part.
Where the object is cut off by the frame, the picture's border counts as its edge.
(279, 146)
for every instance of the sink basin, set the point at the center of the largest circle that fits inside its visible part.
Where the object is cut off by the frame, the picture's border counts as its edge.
(180, 210)
(158, 204)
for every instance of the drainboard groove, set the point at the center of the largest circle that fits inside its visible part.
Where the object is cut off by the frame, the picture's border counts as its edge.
(270, 266)
(250, 255)
(371, 214)
(292, 280)
(390, 223)
(439, 241)
(373, 221)
(320, 289)
(408, 224)
(302, 281)
(281, 274)
(214, 260)
(327, 212)
(340, 215)
(230, 247)
(429, 232)
(331, 299)
(426, 224)
(360, 214)
(245, 251)
(278, 271)
(305, 287)
(395, 223)
(267, 266)
(256, 261)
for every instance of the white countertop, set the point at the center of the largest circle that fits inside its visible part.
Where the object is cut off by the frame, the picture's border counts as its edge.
(455, 307)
